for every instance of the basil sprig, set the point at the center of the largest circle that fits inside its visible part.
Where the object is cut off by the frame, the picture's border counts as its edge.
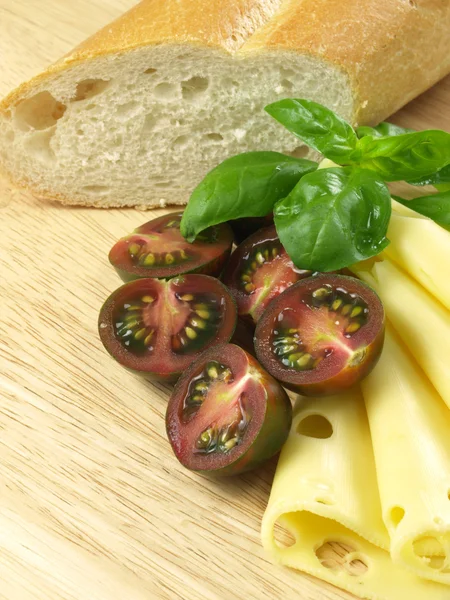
(406, 156)
(440, 179)
(394, 157)
(334, 218)
(317, 126)
(246, 185)
(327, 218)
(382, 130)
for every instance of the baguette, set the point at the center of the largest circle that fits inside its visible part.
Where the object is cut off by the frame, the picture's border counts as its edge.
(138, 113)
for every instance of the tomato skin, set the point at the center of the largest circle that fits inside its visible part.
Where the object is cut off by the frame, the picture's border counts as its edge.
(207, 258)
(344, 380)
(276, 418)
(309, 383)
(274, 432)
(166, 366)
(245, 227)
(243, 336)
(212, 268)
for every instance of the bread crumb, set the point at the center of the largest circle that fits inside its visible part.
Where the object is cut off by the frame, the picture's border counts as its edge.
(163, 203)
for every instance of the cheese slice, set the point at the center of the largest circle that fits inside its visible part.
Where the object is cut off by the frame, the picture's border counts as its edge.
(422, 322)
(410, 428)
(325, 497)
(426, 262)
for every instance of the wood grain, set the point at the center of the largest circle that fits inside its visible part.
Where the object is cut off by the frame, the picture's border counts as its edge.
(92, 502)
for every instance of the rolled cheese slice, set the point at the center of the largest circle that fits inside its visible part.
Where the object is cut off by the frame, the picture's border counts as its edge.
(410, 428)
(324, 515)
(426, 262)
(422, 322)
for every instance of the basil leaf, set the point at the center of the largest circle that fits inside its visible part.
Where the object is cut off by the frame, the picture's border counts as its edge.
(382, 130)
(440, 177)
(246, 185)
(317, 126)
(407, 156)
(436, 207)
(334, 218)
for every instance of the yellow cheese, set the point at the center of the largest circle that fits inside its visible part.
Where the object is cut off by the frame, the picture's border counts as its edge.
(410, 428)
(324, 492)
(421, 321)
(422, 248)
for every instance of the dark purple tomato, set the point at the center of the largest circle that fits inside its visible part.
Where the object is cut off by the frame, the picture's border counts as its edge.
(243, 336)
(226, 414)
(159, 327)
(322, 335)
(258, 271)
(157, 249)
(243, 228)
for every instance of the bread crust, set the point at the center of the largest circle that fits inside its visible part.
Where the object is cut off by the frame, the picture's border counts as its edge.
(390, 50)
(224, 25)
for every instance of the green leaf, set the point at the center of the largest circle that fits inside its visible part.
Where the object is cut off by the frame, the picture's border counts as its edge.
(384, 129)
(246, 185)
(334, 218)
(317, 126)
(435, 206)
(441, 177)
(407, 156)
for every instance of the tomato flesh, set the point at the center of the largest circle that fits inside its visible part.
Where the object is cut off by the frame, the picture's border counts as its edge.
(321, 335)
(158, 327)
(157, 249)
(226, 414)
(258, 271)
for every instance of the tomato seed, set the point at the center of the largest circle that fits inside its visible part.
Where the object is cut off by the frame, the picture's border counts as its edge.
(149, 260)
(191, 333)
(353, 327)
(347, 309)
(142, 333)
(148, 339)
(134, 249)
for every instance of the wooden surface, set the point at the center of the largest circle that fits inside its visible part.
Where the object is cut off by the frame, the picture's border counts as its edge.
(93, 505)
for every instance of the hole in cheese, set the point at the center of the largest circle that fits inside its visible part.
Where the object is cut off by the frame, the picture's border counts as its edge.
(283, 537)
(342, 557)
(431, 551)
(396, 515)
(315, 426)
(326, 501)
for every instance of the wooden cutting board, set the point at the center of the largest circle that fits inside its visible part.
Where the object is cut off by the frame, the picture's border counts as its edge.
(93, 505)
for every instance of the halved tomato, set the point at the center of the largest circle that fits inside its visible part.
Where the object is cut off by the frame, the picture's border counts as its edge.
(259, 270)
(321, 335)
(157, 249)
(226, 414)
(159, 327)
